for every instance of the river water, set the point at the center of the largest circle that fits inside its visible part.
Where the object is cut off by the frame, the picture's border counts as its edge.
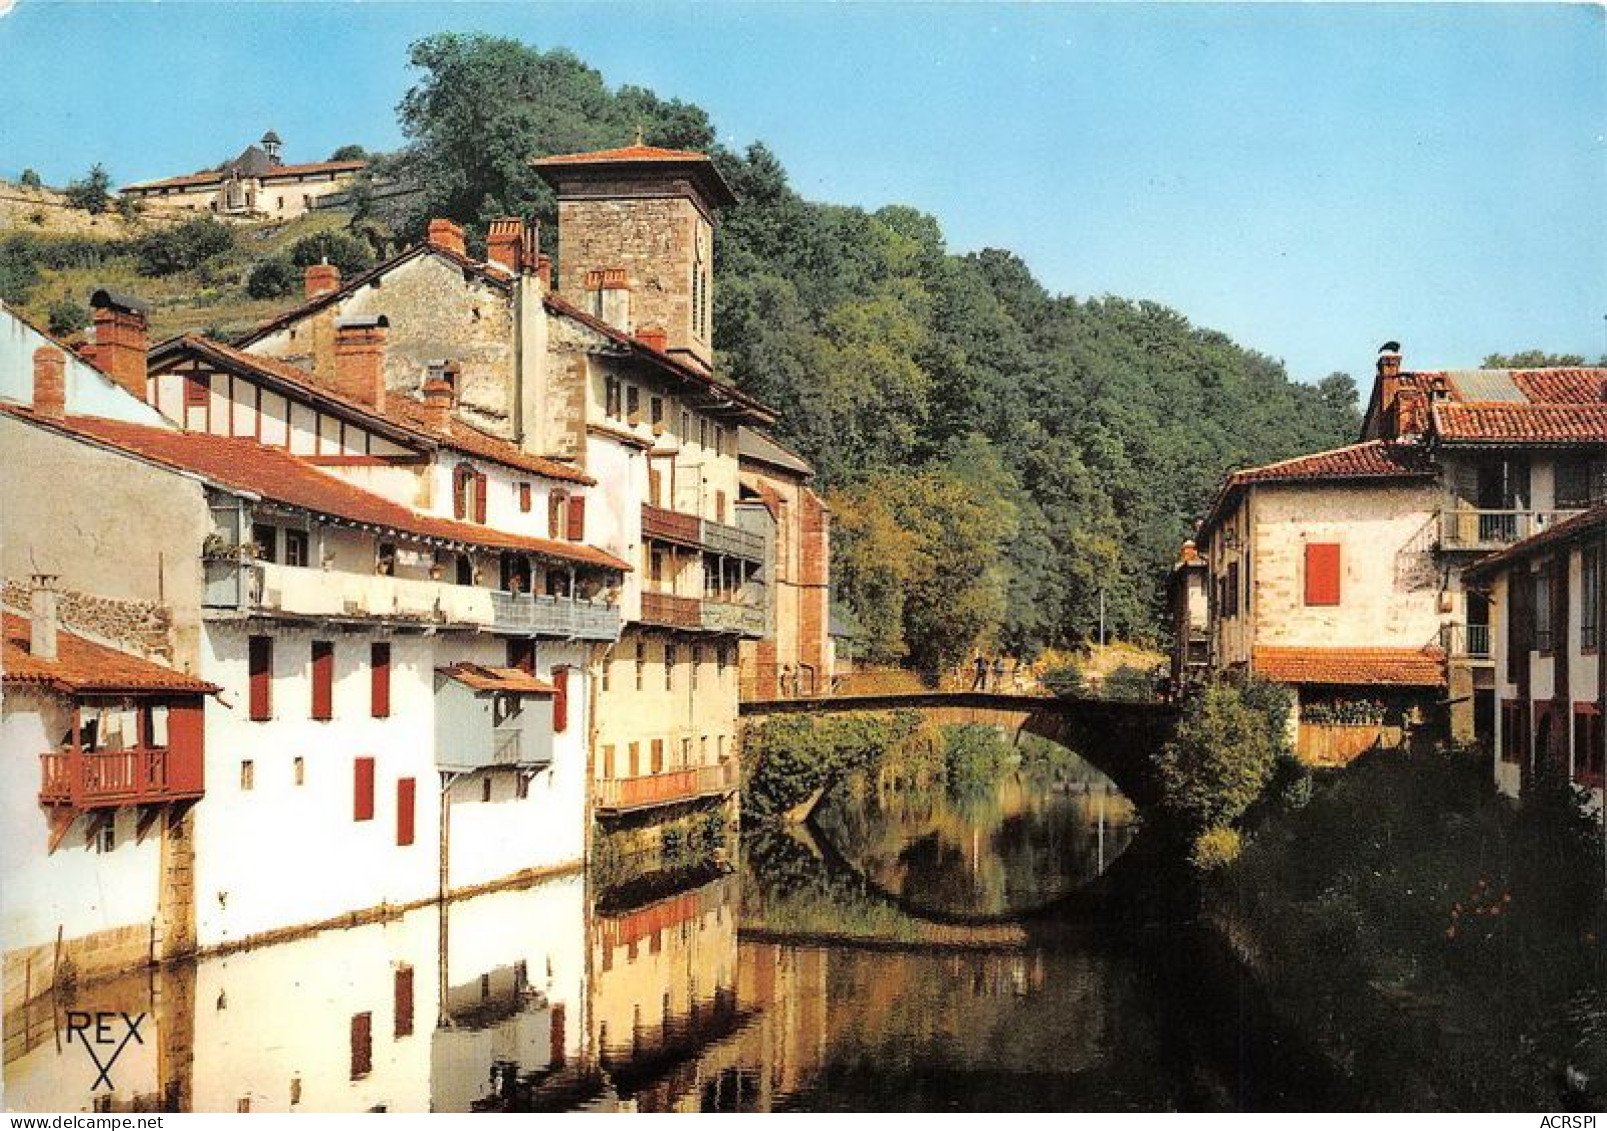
(876, 961)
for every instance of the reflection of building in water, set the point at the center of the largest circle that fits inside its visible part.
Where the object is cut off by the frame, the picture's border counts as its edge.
(663, 988)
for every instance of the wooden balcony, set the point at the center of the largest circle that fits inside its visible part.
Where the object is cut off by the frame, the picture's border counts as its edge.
(567, 617)
(1479, 530)
(666, 610)
(626, 795)
(105, 779)
(723, 538)
(731, 616)
(661, 525)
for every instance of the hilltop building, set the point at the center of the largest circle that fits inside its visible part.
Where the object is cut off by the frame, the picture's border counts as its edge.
(255, 185)
(1341, 573)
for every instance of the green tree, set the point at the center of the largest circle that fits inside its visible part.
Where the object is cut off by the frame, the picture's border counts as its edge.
(345, 251)
(93, 192)
(67, 316)
(273, 278)
(1533, 359)
(30, 179)
(349, 153)
(1220, 760)
(183, 247)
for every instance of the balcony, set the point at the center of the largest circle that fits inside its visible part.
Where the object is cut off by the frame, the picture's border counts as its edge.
(567, 617)
(726, 616)
(663, 525)
(105, 779)
(1477, 530)
(625, 795)
(722, 538)
(1466, 641)
(666, 610)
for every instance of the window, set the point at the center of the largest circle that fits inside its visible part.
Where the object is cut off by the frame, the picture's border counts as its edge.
(1581, 483)
(1515, 732)
(1588, 745)
(524, 498)
(633, 404)
(197, 390)
(655, 412)
(686, 426)
(607, 673)
(719, 506)
(656, 566)
(657, 766)
(299, 770)
(402, 1002)
(323, 679)
(266, 540)
(655, 488)
(670, 659)
(697, 662)
(634, 751)
(702, 432)
(1230, 602)
(1590, 625)
(105, 835)
(260, 666)
(296, 549)
(1542, 608)
(468, 493)
(560, 700)
(576, 529)
(521, 786)
(363, 789)
(362, 1045)
(611, 397)
(608, 761)
(406, 794)
(379, 671)
(1322, 573)
(485, 789)
(522, 654)
(719, 439)
(686, 752)
(248, 775)
(641, 663)
(385, 559)
(557, 514)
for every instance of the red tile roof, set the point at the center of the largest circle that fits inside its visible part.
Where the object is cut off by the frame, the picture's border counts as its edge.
(1503, 423)
(215, 176)
(702, 170)
(82, 666)
(1562, 386)
(400, 411)
(1373, 459)
(1392, 667)
(275, 474)
(514, 680)
(627, 153)
(1580, 525)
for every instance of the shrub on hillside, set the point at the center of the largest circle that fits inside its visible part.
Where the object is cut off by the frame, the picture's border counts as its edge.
(93, 193)
(66, 317)
(30, 179)
(274, 277)
(183, 247)
(344, 251)
(1066, 681)
(1129, 684)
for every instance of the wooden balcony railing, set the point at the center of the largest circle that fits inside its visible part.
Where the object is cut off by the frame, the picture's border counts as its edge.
(622, 795)
(670, 526)
(566, 617)
(669, 611)
(723, 538)
(730, 616)
(1476, 529)
(106, 779)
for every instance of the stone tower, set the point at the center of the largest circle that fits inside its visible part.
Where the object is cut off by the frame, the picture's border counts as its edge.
(636, 242)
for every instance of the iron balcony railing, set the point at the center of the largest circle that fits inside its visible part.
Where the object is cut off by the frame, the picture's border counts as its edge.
(1466, 641)
(622, 795)
(1464, 528)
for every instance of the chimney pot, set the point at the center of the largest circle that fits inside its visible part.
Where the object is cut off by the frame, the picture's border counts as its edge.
(504, 244)
(447, 236)
(321, 279)
(439, 397)
(360, 359)
(50, 382)
(121, 340)
(43, 617)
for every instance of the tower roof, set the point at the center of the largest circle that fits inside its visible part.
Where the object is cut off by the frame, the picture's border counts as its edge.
(645, 161)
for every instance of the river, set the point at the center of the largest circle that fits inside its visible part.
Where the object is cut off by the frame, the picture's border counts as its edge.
(896, 956)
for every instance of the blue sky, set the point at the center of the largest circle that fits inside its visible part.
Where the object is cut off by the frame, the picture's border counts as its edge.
(1311, 179)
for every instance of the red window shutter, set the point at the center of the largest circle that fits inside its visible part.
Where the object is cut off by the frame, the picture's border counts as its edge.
(261, 667)
(555, 1040)
(524, 497)
(555, 514)
(560, 700)
(577, 518)
(1322, 573)
(459, 481)
(379, 668)
(363, 790)
(658, 755)
(403, 1001)
(406, 792)
(323, 679)
(362, 1045)
(479, 498)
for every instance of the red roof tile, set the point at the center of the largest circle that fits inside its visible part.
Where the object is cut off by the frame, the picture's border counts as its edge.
(1562, 386)
(698, 165)
(1584, 523)
(400, 411)
(1374, 459)
(1392, 667)
(1503, 423)
(215, 176)
(627, 153)
(275, 474)
(82, 666)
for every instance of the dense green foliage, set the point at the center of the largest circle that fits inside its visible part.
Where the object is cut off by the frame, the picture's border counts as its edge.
(1536, 359)
(1447, 946)
(92, 193)
(273, 278)
(67, 316)
(975, 756)
(30, 179)
(999, 455)
(167, 251)
(787, 758)
(282, 274)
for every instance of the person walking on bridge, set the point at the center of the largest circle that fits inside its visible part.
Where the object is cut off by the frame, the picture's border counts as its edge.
(980, 681)
(998, 673)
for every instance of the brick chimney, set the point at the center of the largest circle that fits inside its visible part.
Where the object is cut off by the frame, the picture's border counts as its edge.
(654, 336)
(44, 617)
(440, 395)
(1399, 417)
(49, 382)
(321, 279)
(609, 292)
(446, 235)
(544, 270)
(121, 339)
(504, 244)
(360, 359)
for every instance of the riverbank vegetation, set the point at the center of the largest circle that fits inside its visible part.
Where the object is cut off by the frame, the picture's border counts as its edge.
(1442, 944)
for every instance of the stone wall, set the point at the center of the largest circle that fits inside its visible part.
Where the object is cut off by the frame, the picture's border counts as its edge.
(46, 212)
(142, 627)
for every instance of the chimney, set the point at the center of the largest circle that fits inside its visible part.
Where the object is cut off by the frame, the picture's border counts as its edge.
(440, 394)
(1389, 359)
(1391, 385)
(360, 359)
(504, 244)
(447, 236)
(654, 336)
(611, 296)
(50, 382)
(530, 256)
(121, 339)
(544, 271)
(321, 279)
(43, 613)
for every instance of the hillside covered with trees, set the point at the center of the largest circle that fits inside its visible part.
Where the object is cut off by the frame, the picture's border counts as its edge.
(995, 455)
